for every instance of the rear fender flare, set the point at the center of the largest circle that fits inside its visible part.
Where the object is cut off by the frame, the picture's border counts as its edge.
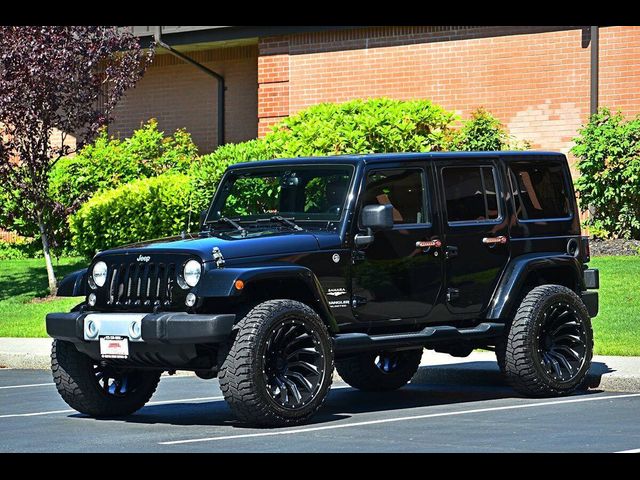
(514, 277)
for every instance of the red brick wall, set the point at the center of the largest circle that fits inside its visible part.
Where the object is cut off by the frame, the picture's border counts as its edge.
(180, 95)
(535, 79)
(620, 68)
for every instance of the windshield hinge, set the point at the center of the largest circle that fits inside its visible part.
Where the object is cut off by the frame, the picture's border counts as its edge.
(217, 257)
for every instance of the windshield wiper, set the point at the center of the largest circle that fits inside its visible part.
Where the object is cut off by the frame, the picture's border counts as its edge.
(233, 223)
(286, 221)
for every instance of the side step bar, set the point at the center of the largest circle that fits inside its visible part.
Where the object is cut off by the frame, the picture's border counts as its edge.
(351, 343)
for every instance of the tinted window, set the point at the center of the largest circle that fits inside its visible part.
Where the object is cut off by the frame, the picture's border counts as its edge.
(404, 189)
(540, 190)
(470, 193)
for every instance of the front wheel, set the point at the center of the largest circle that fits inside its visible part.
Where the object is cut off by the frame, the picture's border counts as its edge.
(279, 368)
(550, 343)
(382, 371)
(99, 390)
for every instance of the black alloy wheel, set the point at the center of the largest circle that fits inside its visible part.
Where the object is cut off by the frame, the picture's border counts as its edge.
(293, 364)
(562, 342)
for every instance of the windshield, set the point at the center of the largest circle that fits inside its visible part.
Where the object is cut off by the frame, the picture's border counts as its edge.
(296, 192)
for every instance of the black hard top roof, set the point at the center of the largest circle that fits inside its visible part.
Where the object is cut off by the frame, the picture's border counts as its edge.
(386, 157)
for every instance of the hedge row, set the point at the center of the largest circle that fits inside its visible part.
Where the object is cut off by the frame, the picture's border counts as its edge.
(161, 206)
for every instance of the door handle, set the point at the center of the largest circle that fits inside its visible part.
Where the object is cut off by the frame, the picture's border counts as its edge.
(428, 244)
(495, 240)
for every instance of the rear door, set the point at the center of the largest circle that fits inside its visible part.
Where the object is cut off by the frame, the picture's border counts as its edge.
(475, 231)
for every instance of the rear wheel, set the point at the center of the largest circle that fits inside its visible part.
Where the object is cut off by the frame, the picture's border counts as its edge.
(550, 343)
(381, 371)
(99, 390)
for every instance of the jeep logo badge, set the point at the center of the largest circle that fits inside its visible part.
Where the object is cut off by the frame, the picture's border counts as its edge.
(143, 258)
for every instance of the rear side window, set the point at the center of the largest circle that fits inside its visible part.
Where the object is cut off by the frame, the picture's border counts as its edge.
(539, 190)
(471, 194)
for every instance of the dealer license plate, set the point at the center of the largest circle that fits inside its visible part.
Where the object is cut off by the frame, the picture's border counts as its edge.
(114, 346)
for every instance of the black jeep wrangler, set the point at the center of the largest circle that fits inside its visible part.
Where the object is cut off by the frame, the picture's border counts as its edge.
(355, 261)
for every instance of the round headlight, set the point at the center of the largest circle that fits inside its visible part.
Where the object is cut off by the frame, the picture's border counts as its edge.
(99, 273)
(192, 271)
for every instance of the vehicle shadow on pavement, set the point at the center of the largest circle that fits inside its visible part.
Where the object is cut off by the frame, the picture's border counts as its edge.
(341, 404)
(487, 373)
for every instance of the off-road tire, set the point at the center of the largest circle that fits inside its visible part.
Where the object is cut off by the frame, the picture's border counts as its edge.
(77, 385)
(523, 369)
(361, 371)
(242, 377)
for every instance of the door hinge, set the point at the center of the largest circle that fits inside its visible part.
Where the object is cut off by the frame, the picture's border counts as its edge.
(358, 301)
(357, 256)
(451, 252)
(452, 294)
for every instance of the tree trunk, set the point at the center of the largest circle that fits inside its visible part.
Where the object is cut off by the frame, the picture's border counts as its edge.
(53, 287)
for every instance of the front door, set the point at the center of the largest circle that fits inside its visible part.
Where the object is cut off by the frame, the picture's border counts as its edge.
(398, 277)
(475, 232)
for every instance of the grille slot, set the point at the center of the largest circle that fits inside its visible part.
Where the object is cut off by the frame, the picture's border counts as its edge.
(140, 285)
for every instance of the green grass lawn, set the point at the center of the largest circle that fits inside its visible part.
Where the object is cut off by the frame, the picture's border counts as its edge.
(23, 288)
(617, 326)
(23, 283)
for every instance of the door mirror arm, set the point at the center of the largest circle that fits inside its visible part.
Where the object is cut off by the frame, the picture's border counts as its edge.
(363, 240)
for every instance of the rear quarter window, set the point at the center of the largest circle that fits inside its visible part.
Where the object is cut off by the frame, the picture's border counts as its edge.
(540, 190)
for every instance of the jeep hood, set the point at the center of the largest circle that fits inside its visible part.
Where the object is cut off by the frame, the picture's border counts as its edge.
(282, 243)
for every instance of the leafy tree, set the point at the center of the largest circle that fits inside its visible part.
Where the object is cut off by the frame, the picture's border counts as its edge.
(55, 82)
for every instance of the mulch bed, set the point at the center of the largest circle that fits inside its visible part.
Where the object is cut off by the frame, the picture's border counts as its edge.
(616, 246)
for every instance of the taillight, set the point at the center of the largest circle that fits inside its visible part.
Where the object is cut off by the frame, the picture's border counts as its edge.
(586, 250)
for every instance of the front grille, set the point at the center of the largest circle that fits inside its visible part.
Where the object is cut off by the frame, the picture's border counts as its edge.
(140, 285)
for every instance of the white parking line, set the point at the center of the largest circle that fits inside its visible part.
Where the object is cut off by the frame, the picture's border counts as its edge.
(398, 419)
(28, 385)
(160, 402)
(164, 377)
(635, 450)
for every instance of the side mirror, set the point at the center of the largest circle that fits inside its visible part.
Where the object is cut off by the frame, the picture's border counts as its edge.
(374, 218)
(203, 217)
(377, 217)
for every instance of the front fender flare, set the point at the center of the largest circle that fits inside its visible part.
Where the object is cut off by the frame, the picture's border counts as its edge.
(221, 283)
(514, 276)
(73, 285)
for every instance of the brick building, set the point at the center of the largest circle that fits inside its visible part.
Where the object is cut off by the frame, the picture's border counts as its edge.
(536, 80)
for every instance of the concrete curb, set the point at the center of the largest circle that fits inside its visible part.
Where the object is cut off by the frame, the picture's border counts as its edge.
(615, 374)
(25, 353)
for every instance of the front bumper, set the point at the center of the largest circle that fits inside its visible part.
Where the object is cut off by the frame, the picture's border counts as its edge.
(156, 328)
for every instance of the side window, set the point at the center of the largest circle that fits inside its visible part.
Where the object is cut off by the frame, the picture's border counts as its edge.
(470, 194)
(403, 188)
(539, 190)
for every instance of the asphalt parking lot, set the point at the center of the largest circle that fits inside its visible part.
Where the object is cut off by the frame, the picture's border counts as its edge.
(188, 414)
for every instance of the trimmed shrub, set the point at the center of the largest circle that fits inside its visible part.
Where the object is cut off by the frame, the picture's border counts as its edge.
(608, 149)
(360, 126)
(357, 127)
(484, 132)
(110, 162)
(140, 210)
(20, 249)
(207, 171)
(363, 126)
